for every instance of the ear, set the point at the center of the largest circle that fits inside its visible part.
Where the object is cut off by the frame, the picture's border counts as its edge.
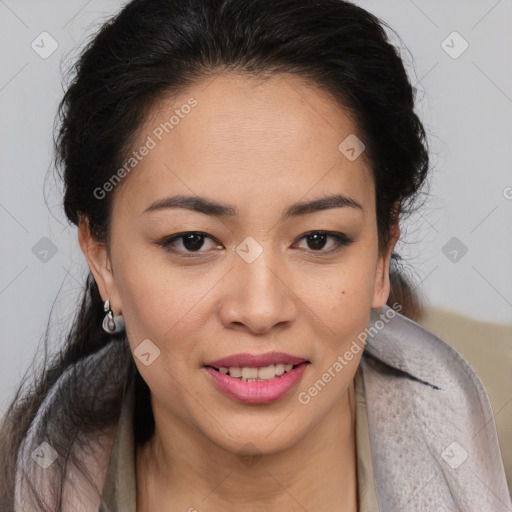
(382, 286)
(99, 262)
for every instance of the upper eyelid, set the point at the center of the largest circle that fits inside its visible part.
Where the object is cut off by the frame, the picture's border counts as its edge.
(206, 235)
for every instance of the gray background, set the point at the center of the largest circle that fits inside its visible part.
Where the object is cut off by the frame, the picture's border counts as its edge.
(465, 104)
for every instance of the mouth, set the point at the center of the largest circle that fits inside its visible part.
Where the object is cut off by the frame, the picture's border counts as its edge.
(257, 367)
(257, 384)
(257, 374)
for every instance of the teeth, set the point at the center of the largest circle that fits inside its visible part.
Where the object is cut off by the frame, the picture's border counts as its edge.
(279, 369)
(249, 374)
(235, 372)
(266, 373)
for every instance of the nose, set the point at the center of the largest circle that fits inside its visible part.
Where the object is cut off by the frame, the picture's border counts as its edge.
(258, 298)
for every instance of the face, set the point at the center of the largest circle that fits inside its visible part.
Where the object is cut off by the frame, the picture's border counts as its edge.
(256, 275)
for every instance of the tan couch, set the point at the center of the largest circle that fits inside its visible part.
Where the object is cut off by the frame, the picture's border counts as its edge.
(488, 349)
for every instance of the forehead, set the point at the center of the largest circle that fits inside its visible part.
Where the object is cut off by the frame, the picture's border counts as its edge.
(233, 136)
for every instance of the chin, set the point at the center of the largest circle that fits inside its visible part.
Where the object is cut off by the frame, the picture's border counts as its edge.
(261, 438)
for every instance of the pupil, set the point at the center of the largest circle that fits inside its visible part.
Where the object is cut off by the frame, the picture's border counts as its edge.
(317, 244)
(193, 241)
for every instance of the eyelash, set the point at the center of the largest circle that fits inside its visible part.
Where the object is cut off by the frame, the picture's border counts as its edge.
(340, 239)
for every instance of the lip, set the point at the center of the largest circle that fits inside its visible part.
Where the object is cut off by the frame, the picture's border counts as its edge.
(256, 360)
(258, 392)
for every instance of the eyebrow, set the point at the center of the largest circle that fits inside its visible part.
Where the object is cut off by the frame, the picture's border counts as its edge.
(209, 207)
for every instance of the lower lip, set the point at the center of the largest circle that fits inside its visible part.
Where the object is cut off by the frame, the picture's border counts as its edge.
(258, 392)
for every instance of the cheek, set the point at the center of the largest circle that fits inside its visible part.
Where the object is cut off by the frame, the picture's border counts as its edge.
(347, 287)
(155, 294)
(169, 306)
(343, 304)
(160, 308)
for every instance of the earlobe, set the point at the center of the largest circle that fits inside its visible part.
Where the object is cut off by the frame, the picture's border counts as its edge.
(99, 263)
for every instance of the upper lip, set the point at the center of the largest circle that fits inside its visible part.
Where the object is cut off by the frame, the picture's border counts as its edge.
(255, 360)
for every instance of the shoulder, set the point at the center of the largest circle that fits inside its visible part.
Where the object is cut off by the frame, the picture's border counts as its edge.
(406, 346)
(430, 420)
(64, 454)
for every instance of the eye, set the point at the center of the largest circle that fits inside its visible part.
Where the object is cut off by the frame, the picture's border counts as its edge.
(316, 241)
(190, 242)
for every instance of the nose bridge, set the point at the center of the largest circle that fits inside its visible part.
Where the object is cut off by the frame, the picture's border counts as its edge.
(260, 297)
(260, 275)
(257, 267)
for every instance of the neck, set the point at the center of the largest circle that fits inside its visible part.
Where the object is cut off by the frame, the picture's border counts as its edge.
(185, 470)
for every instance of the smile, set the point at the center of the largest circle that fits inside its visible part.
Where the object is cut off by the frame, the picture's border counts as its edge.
(263, 385)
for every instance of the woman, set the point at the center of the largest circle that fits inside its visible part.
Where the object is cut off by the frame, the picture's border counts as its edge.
(238, 171)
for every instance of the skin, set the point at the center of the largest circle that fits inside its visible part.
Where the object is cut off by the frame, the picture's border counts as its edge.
(259, 146)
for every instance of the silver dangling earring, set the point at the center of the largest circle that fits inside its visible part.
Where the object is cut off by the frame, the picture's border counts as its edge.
(112, 324)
